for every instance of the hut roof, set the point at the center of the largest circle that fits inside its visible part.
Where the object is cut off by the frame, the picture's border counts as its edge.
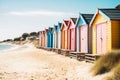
(113, 14)
(59, 24)
(118, 6)
(74, 20)
(55, 27)
(87, 17)
(66, 23)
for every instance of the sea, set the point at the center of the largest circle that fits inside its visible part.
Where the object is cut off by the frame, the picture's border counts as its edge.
(6, 46)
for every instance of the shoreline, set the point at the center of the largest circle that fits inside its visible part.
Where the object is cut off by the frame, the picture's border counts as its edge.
(13, 47)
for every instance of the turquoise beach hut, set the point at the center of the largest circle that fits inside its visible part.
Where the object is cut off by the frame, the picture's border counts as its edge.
(50, 37)
(83, 33)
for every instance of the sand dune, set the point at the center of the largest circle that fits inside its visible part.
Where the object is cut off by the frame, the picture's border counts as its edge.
(28, 63)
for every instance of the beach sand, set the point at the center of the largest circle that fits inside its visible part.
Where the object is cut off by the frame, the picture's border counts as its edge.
(29, 63)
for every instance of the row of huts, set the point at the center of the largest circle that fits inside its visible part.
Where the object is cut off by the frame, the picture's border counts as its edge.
(89, 33)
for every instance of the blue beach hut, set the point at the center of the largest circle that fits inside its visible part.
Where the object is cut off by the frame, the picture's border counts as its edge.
(50, 37)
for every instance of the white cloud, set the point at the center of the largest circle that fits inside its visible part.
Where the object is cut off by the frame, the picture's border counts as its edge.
(39, 13)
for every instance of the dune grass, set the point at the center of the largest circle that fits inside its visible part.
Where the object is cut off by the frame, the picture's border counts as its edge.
(36, 43)
(115, 73)
(106, 62)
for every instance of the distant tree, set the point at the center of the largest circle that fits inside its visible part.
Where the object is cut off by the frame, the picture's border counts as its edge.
(25, 35)
(118, 6)
(38, 32)
(17, 39)
(33, 34)
(9, 40)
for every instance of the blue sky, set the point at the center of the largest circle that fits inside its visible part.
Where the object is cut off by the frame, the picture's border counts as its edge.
(19, 16)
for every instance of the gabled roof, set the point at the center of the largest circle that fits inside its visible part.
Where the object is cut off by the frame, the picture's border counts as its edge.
(109, 14)
(43, 32)
(118, 6)
(46, 30)
(74, 20)
(50, 29)
(59, 24)
(87, 17)
(66, 22)
(113, 14)
(55, 27)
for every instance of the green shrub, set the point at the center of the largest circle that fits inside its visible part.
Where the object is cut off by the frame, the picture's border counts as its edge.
(106, 62)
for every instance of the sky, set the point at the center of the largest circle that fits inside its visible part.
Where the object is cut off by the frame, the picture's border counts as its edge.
(25, 16)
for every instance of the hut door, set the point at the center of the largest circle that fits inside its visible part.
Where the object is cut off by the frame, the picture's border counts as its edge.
(101, 38)
(56, 39)
(53, 40)
(69, 39)
(48, 39)
(78, 39)
(59, 39)
(73, 39)
(65, 39)
(83, 38)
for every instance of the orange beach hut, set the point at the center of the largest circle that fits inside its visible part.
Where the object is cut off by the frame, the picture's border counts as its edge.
(64, 28)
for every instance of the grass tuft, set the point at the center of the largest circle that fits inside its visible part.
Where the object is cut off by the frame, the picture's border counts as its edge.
(106, 62)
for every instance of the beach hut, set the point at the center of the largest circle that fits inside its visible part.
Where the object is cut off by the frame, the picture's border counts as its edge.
(64, 27)
(46, 36)
(55, 36)
(83, 32)
(50, 37)
(59, 35)
(72, 34)
(42, 38)
(40, 41)
(105, 30)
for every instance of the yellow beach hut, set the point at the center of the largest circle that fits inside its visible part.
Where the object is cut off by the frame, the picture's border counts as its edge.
(105, 27)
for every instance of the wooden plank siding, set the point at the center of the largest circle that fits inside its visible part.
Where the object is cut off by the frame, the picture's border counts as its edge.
(115, 34)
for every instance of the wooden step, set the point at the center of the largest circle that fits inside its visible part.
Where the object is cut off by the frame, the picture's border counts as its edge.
(91, 58)
(65, 52)
(77, 55)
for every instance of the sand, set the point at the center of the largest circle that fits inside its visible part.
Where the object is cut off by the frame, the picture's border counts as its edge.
(29, 63)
